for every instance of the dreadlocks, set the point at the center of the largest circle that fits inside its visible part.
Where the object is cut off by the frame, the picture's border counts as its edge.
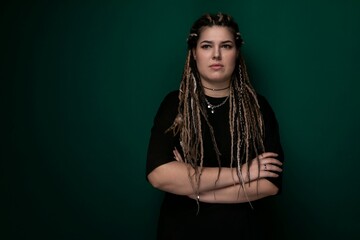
(245, 119)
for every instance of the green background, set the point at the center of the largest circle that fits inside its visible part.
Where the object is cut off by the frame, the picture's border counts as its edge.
(81, 83)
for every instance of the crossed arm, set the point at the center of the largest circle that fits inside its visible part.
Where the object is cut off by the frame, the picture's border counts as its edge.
(225, 187)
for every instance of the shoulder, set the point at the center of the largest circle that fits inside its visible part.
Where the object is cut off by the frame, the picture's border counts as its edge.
(168, 108)
(264, 105)
(169, 102)
(267, 112)
(263, 102)
(171, 98)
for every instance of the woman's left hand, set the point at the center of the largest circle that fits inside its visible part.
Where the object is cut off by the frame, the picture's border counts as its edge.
(263, 166)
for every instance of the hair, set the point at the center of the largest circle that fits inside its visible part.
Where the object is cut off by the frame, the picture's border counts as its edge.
(245, 118)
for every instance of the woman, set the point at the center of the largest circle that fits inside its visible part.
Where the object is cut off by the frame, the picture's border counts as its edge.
(214, 147)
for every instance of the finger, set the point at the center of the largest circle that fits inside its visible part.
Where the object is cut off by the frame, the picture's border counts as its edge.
(271, 161)
(267, 155)
(176, 155)
(271, 167)
(266, 174)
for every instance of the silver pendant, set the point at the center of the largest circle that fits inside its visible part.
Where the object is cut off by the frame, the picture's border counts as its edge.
(212, 108)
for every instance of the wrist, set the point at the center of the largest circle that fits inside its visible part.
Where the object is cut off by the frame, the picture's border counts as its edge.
(243, 175)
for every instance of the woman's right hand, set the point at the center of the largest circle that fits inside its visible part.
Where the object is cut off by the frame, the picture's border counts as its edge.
(263, 166)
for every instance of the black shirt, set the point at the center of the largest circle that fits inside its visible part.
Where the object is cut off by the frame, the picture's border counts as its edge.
(178, 216)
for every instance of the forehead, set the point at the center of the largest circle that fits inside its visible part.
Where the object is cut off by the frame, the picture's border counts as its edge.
(216, 33)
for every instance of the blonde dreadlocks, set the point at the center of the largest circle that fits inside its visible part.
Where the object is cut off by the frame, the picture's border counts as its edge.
(245, 118)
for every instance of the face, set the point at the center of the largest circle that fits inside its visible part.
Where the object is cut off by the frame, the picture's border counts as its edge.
(215, 55)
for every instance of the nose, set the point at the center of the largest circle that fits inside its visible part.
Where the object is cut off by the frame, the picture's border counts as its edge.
(216, 54)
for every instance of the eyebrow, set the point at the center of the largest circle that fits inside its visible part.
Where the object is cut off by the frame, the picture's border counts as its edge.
(207, 41)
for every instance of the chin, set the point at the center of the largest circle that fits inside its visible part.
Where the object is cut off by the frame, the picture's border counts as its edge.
(218, 79)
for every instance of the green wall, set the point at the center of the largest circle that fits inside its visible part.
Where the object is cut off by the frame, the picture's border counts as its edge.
(81, 82)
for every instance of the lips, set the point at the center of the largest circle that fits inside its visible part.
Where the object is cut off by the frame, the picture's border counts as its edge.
(216, 66)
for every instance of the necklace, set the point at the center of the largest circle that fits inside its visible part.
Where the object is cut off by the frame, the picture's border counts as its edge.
(216, 89)
(212, 107)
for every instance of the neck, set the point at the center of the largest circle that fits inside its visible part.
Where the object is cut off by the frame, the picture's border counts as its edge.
(217, 90)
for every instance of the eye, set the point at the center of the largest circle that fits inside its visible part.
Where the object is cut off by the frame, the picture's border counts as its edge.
(227, 46)
(206, 46)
